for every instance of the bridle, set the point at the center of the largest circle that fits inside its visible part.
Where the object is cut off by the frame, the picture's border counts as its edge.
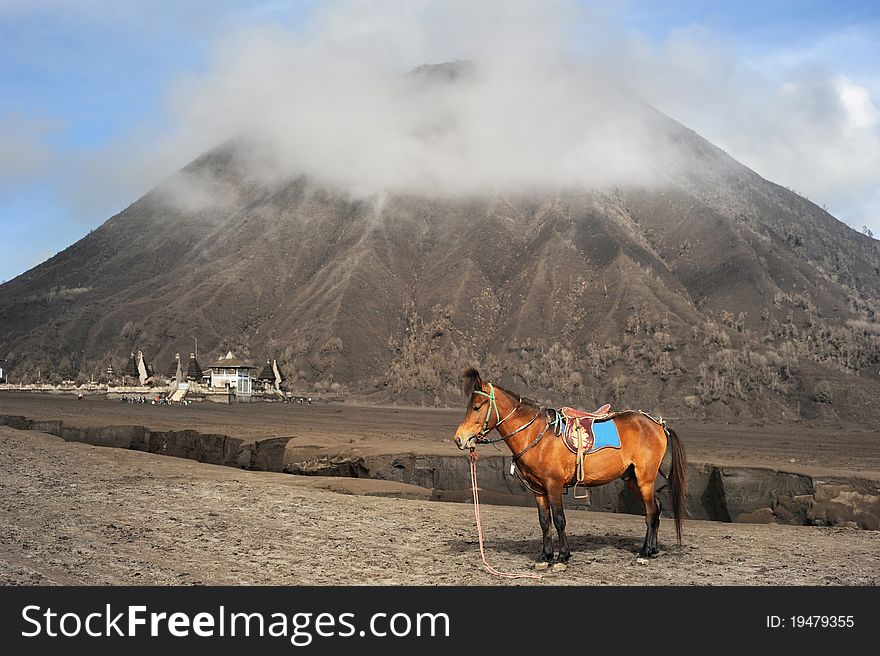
(493, 405)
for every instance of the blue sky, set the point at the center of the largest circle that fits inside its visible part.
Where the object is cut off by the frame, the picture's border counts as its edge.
(88, 91)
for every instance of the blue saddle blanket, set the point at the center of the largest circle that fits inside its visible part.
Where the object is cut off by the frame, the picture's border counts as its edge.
(597, 434)
(606, 435)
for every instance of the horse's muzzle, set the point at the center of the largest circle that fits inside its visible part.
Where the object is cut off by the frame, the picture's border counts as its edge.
(467, 443)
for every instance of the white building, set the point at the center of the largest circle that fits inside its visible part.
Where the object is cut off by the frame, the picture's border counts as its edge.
(231, 374)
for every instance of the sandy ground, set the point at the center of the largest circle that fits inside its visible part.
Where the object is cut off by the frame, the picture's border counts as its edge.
(796, 447)
(76, 514)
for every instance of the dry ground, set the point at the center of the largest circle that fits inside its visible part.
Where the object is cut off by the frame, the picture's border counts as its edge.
(76, 514)
(799, 447)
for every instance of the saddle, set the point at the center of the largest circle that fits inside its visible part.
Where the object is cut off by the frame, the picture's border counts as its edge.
(578, 430)
(571, 413)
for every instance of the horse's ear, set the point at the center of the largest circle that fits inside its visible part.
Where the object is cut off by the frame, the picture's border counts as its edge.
(472, 381)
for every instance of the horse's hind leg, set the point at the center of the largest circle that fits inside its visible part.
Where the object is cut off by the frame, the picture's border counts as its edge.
(655, 525)
(644, 490)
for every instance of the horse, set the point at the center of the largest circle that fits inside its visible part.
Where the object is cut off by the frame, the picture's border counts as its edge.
(546, 465)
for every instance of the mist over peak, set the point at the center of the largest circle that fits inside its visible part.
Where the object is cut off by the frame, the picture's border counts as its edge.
(449, 129)
(478, 102)
(444, 71)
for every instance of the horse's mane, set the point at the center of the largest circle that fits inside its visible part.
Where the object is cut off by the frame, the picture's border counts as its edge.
(473, 382)
(525, 402)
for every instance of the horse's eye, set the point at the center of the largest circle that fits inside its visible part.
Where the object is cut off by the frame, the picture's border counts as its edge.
(476, 408)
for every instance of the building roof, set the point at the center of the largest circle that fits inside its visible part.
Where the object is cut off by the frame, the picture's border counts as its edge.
(267, 373)
(229, 360)
(131, 369)
(193, 370)
(172, 368)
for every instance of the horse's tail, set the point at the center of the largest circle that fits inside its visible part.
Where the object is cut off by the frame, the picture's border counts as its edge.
(677, 479)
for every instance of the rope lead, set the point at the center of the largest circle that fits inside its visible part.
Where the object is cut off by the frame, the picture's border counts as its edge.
(472, 456)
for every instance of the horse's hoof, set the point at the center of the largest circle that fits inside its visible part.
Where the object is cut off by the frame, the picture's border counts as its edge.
(558, 567)
(541, 565)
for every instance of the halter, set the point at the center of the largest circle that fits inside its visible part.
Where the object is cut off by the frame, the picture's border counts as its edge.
(493, 405)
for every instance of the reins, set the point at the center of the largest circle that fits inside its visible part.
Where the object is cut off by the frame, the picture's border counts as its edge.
(472, 456)
(534, 441)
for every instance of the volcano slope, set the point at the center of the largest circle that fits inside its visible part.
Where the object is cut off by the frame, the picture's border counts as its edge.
(711, 293)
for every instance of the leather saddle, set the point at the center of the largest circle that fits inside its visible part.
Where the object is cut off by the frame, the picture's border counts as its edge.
(571, 413)
(578, 432)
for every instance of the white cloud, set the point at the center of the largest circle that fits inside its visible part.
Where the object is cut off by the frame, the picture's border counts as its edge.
(786, 115)
(861, 112)
(332, 99)
(338, 105)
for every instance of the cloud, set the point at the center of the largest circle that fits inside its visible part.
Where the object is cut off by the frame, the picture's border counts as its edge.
(784, 114)
(193, 191)
(826, 138)
(25, 149)
(337, 103)
(547, 102)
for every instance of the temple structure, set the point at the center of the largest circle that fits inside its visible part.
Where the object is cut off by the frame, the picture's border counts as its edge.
(233, 375)
(193, 370)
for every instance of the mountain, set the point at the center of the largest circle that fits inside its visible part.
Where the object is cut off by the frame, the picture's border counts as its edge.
(716, 293)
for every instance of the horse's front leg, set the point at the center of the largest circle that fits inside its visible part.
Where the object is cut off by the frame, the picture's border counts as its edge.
(554, 493)
(545, 517)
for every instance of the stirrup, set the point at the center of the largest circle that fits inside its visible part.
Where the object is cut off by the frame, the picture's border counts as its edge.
(585, 495)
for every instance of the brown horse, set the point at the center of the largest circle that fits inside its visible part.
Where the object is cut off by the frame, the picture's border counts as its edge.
(547, 466)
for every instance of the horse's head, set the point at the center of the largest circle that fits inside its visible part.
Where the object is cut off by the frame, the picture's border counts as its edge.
(478, 418)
